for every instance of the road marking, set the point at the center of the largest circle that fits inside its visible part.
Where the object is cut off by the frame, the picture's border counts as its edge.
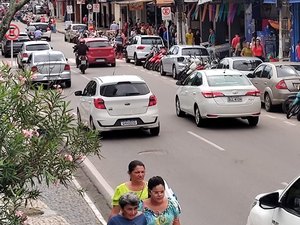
(207, 141)
(273, 117)
(90, 203)
(289, 123)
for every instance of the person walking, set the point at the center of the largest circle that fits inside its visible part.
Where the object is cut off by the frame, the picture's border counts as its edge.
(212, 37)
(297, 51)
(247, 51)
(258, 50)
(114, 26)
(157, 208)
(239, 46)
(85, 19)
(136, 184)
(129, 213)
(189, 37)
(198, 38)
(235, 41)
(120, 41)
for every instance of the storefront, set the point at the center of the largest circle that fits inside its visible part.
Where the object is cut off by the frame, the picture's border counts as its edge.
(295, 31)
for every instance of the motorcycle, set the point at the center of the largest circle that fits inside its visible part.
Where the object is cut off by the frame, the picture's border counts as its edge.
(194, 63)
(292, 106)
(153, 51)
(157, 62)
(83, 63)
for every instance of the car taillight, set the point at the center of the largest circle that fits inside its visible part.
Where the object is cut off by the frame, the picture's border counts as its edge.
(67, 67)
(281, 85)
(152, 100)
(99, 103)
(34, 69)
(24, 55)
(212, 94)
(140, 47)
(253, 93)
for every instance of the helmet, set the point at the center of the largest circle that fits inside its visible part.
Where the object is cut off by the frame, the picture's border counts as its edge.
(81, 41)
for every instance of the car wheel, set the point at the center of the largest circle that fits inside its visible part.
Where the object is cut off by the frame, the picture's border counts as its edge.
(68, 83)
(174, 72)
(268, 103)
(136, 61)
(179, 112)
(127, 59)
(79, 121)
(162, 72)
(298, 116)
(198, 119)
(113, 64)
(49, 39)
(155, 131)
(253, 121)
(66, 38)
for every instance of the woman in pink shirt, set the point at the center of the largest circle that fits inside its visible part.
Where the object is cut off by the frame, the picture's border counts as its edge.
(298, 51)
(258, 50)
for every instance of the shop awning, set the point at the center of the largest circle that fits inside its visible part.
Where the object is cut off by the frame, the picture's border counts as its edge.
(294, 1)
(131, 2)
(200, 2)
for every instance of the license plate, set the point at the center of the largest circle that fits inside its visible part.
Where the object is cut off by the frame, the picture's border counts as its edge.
(297, 86)
(128, 123)
(83, 62)
(100, 60)
(235, 99)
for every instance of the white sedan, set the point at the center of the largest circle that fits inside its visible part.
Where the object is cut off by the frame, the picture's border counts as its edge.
(117, 103)
(218, 94)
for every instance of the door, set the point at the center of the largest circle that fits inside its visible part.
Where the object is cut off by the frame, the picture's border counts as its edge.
(170, 58)
(131, 47)
(194, 93)
(184, 95)
(166, 60)
(87, 101)
(257, 82)
(265, 81)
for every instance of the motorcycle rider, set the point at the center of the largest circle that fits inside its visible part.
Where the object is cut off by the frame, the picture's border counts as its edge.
(38, 34)
(81, 50)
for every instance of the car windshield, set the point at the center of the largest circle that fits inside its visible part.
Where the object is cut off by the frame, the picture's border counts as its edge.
(288, 70)
(151, 40)
(37, 47)
(48, 58)
(245, 65)
(194, 51)
(79, 27)
(98, 44)
(124, 89)
(227, 80)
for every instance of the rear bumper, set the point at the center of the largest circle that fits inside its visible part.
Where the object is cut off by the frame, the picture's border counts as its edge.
(44, 78)
(101, 60)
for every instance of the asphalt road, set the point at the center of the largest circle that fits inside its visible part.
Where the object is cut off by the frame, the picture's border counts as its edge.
(215, 171)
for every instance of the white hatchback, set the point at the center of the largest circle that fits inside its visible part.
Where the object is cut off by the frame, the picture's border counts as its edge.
(218, 94)
(281, 207)
(118, 102)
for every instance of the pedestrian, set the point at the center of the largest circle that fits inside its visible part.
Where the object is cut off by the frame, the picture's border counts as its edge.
(38, 34)
(198, 38)
(258, 50)
(235, 41)
(297, 51)
(157, 208)
(136, 184)
(239, 46)
(247, 51)
(120, 42)
(161, 30)
(85, 19)
(114, 26)
(167, 37)
(189, 37)
(212, 37)
(129, 213)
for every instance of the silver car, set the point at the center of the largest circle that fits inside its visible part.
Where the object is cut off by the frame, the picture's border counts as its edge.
(71, 31)
(49, 67)
(178, 56)
(276, 81)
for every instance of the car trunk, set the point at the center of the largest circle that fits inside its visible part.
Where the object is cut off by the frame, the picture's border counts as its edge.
(54, 68)
(100, 53)
(292, 83)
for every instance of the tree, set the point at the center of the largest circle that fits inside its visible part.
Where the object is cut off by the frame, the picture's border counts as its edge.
(15, 5)
(40, 141)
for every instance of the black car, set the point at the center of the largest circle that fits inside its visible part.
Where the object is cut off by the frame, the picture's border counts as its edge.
(17, 45)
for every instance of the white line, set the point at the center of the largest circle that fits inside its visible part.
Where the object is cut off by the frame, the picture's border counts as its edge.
(289, 123)
(273, 117)
(207, 141)
(90, 203)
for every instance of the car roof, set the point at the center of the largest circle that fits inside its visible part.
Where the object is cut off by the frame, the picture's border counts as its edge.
(35, 42)
(119, 78)
(75, 24)
(190, 46)
(48, 51)
(214, 72)
(95, 39)
(283, 63)
(242, 57)
(38, 23)
(151, 36)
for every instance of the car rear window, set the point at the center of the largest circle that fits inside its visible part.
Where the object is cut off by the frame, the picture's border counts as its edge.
(124, 89)
(151, 40)
(49, 58)
(227, 80)
(98, 44)
(79, 27)
(245, 65)
(287, 71)
(194, 51)
(37, 47)
(41, 26)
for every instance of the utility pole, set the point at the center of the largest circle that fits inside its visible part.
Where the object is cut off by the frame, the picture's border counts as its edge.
(155, 16)
(280, 47)
(179, 11)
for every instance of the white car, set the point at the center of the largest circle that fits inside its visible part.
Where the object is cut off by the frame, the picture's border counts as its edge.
(218, 94)
(140, 46)
(281, 207)
(44, 27)
(118, 102)
(29, 47)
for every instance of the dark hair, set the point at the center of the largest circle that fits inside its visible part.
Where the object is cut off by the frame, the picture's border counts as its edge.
(128, 198)
(133, 164)
(155, 181)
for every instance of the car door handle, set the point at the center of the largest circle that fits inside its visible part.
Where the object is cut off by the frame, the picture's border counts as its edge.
(194, 93)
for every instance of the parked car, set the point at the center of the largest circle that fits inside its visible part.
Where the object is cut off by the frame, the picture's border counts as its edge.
(17, 45)
(100, 51)
(118, 102)
(71, 31)
(178, 56)
(140, 46)
(278, 207)
(276, 81)
(44, 27)
(215, 93)
(29, 47)
(50, 67)
(245, 65)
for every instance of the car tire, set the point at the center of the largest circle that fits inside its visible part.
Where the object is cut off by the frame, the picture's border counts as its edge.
(113, 65)
(268, 103)
(155, 131)
(49, 39)
(137, 62)
(198, 119)
(253, 121)
(162, 72)
(66, 38)
(68, 83)
(127, 60)
(298, 116)
(174, 72)
(179, 112)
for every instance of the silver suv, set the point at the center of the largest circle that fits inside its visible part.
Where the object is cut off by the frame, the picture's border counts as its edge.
(140, 46)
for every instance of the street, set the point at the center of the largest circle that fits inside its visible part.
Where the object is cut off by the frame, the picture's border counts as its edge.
(215, 171)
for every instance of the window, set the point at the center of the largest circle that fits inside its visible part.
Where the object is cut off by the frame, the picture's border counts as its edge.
(245, 65)
(175, 51)
(258, 71)
(151, 41)
(98, 44)
(38, 47)
(189, 80)
(267, 72)
(227, 80)
(49, 58)
(79, 27)
(90, 89)
(291, 199)
(124, 89)
(198, 80)
(194, 51)
(286, 71)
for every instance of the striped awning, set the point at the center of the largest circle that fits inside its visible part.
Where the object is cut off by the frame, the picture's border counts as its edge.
(200, 2)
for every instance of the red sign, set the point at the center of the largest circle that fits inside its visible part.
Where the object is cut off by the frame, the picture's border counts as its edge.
(166, 13)
(13, 32)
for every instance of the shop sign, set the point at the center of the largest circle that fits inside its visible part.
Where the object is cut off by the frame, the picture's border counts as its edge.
(136, 6)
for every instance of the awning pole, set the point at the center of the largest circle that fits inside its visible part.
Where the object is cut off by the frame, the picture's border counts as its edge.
(155, 15)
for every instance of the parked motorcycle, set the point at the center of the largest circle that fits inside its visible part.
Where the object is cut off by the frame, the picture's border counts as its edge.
(194, 63)
(292, 106)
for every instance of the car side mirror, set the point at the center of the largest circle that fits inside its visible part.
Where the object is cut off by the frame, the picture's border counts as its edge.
(269, 201)
(67, 59)
(251, 75)
(51, 47)
(179, 83)
(78, 93)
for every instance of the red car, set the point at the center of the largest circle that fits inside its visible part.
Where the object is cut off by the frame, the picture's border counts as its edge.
(100, 51)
